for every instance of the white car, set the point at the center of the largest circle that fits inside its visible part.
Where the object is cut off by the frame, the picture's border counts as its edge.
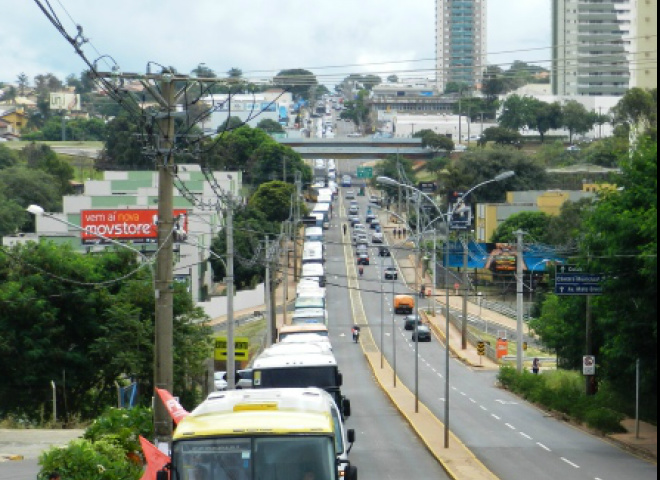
(219, 381)
(460, 148)
(377, 238)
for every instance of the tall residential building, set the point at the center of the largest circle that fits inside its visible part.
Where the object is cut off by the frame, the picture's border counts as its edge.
(645, 59)
(461, 46)
(593, 45)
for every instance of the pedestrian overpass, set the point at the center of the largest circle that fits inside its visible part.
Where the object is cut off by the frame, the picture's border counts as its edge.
(367, 148)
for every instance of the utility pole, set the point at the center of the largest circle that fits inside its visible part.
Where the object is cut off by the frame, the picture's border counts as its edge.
(285, 262)
(519, 300)
(231, 346)
(295, 225)
(164, 328)
(466, 290)
(269, 313)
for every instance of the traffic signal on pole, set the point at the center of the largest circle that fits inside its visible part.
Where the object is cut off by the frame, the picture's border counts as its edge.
(481, 348)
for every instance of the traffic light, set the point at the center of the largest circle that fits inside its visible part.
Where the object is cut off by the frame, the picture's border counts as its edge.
(481, 348)
(453, 197)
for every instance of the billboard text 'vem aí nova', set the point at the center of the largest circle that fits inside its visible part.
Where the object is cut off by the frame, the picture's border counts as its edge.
(137, 226)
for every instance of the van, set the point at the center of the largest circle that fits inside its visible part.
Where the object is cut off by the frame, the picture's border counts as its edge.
(404, 304)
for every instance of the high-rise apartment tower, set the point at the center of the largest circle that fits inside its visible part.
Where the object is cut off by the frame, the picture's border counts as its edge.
(645, 54)
(593, 43)
(461, 42)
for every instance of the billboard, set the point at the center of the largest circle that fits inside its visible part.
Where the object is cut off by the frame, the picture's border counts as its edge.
(65, 101)
(137, 226)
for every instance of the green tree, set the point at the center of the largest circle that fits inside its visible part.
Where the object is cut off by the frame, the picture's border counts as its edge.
(358, 111)
(235, 73)
(274, 200)
(517, 112)
(621, 241)
(8, 157)
(42, 157)
(27, 186)
(272, 161)
(23, 83)
(638, 109)
(234, 150)
(478, 166)
(123, 149)
(577, 119)
(12, 216)
(545, 117)
(565, 230)
(501, 136)
(270, 126)
(435, 141)
(535, 224)
(91, 317)
(10, 95)
(393, 79)
(296, 81)
(456, 87)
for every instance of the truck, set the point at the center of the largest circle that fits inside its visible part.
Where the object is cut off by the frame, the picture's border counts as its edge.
(263, 434)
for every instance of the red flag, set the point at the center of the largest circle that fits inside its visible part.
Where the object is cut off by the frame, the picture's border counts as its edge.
(177, 412)
(156, 460)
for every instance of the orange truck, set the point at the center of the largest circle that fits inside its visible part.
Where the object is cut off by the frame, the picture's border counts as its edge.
(404, 304)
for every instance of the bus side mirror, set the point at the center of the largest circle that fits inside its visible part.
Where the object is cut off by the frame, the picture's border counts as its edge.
(350, 435)
(340, 379)
(346, 407)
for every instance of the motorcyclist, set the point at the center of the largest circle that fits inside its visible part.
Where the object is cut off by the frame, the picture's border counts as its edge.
(356, 333)
(422, 291)
(361, 270)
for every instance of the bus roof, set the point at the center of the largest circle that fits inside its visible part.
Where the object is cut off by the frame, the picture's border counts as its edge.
(260, 412)
(296, 355)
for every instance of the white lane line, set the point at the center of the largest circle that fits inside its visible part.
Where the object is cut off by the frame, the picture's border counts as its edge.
(483, 408)
(495, 416)
(510, 426)
(464, 394)
(543, 447)
(525, 435)
(570, 463)
(473, 400)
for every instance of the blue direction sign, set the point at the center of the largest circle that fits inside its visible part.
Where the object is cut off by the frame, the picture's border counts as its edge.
(573, 280)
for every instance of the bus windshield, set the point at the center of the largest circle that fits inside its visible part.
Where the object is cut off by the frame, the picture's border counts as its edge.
(261, 458)
(321, 377)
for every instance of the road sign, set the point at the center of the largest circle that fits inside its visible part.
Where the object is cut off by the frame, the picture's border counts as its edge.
(589, 365)
(573, 280)
(365, 172)
(241, 346)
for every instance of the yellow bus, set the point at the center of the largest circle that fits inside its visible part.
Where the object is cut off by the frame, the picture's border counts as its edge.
(276, 434)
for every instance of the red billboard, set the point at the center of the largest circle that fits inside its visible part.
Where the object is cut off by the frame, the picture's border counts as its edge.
(137, 226)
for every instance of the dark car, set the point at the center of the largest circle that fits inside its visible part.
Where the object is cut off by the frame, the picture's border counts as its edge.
(409, 322)
(423, 334)
(384, 252)
(391, 273)
(363, 259)
(354, 219)
(375, 224)
(370, 218)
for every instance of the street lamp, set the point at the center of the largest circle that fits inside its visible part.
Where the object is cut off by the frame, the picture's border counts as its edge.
(448, 216)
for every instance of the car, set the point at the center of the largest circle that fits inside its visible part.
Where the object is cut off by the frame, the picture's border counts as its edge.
(375, 224)
(409, 321)
(362, 239)
(423, 334)
(363, 259)
(354, 219)
(219, 381)
(350, 194)
(353, 210)
(354, 135)
(370, 218)
(243, 379)
(375, 200)
(391, 273)
(377, 238)
(384, 251)
(460, 148)
(362, 248)
(573, 148)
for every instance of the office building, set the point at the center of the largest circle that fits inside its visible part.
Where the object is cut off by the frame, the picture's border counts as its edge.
(645, 60)
(593, 46)
(460, 42)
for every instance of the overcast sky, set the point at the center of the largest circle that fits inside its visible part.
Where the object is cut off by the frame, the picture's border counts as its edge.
(261, 37)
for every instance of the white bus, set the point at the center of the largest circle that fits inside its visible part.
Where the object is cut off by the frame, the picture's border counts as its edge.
(313, 252)
(309, 316)
(299, 366)
(263, 434)
(314, 271)
(313, 234)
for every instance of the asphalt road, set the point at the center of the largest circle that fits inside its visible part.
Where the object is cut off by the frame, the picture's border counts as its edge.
(512, 438)
(386, 446)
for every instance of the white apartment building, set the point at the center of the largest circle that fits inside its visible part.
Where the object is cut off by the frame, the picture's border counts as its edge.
(461, 43)
(644, 69)
(593, 46)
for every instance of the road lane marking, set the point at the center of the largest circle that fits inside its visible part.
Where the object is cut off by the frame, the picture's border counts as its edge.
(483, 408)
(510, 426)
(570, 463)
(473, 400)
(495, 416)
(525, 435)
(543, 447)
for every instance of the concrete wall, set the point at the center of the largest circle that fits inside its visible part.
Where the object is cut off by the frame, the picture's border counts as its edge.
(245, 300)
